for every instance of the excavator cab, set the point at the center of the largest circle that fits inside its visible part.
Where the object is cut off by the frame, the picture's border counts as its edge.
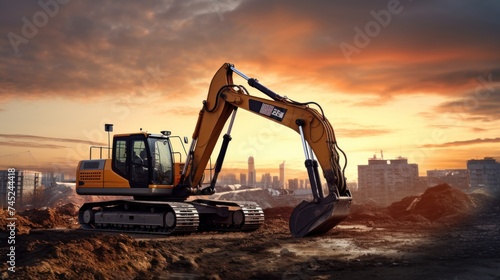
(142, 165)
(143, 159)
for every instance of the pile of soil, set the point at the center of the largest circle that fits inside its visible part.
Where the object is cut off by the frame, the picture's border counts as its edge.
(23, 224)
(261, 197)
(80, 255)
(368, 214)
(68, 209)
(438, 204)
(64, 216)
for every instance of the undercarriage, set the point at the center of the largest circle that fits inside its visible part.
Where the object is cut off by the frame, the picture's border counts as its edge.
(163, 217)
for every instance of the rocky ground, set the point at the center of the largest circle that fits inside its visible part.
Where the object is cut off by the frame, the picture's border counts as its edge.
(441, 234)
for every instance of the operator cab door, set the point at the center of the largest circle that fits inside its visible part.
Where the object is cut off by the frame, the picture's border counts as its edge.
(130, 159)
(161, 161)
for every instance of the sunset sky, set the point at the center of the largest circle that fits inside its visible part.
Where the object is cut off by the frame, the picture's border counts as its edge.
(418, 79)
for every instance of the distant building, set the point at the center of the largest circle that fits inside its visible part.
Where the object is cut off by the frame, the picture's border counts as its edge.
(385, 181)
(457, 178)
(484, 173)
(293, 184)
(266, 180)
(251, 172)
(228, 179)
(243, 179)
(282, 175)
(353, 186)
(276, 182)
(25, 183)
(51, 178)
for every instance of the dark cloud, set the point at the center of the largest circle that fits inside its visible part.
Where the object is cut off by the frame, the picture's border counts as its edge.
(463, 143)
(41, 141)
(94, 48)
(479, 105)
(16, 143)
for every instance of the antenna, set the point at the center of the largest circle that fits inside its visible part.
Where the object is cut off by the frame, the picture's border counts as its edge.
(108, 128)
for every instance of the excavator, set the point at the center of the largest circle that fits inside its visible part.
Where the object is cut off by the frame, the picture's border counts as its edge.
(170, 196)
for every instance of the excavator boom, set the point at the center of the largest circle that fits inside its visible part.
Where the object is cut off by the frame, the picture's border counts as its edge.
(318, 142)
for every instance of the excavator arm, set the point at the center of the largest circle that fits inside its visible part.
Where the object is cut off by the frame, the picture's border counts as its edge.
(318, 142)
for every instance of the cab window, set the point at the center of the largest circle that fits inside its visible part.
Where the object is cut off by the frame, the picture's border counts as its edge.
(120, 156)
(161, 156)
(139, 169)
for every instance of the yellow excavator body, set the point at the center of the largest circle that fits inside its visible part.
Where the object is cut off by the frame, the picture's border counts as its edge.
(145, 167)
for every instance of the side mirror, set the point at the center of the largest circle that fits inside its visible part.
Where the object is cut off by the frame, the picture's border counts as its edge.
(186, 140)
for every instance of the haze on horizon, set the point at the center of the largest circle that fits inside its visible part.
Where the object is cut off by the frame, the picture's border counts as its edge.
(418, 79)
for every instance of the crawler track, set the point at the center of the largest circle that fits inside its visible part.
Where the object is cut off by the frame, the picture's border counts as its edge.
(158, 217)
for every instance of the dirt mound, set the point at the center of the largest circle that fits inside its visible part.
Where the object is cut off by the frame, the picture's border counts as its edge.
(64, 216)
(261, 197)
(43, 217)
(400, 208)
(23, 225)
(368, 214)
(440, 203)
(84, 256)
(69, 209)
(484, 200)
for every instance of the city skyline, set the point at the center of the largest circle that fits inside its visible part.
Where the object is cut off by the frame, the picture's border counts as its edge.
(302, 174)
(414, 79)
(242, 173)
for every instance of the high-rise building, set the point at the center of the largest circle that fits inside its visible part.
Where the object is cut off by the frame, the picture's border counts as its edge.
(387, 180)
(25, 182)
(243, 179)
(251, 172)
(484, 173)
(293, 184)
(282, 175)
(266, 180)
(457, 178)
(276, 182)
(227, 179)
(302, 184)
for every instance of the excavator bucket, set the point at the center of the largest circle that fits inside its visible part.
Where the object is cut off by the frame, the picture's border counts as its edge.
(311, 218)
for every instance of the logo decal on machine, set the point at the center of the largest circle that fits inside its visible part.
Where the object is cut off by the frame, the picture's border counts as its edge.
(267, 110)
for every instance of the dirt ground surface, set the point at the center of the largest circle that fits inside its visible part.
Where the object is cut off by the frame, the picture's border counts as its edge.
(441, 234)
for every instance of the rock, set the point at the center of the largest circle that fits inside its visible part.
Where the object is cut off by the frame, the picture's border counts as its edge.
(286, 253)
